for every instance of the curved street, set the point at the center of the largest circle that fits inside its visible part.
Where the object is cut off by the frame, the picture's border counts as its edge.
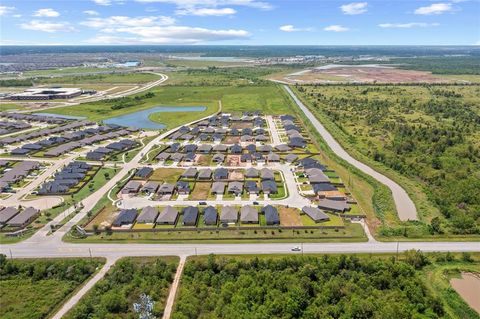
(405, 207)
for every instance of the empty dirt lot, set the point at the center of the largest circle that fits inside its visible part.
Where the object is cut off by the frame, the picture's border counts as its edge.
(362, 74)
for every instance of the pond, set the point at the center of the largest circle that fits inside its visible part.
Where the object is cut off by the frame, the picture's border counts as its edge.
(141, 119)
(468, 287)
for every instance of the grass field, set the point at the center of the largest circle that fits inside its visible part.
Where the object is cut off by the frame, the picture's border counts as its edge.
(234, 99)
(166, 175)
(31, 289)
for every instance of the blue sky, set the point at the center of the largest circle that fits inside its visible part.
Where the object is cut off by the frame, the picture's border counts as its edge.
(314, 22)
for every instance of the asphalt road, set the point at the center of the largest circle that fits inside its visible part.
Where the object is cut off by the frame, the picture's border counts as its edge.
(405, 207)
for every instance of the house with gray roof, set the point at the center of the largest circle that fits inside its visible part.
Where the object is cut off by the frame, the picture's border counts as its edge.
(249, 215)
(218, 158)
(205, 174)
(266, 173)
(190, 216)
(283, 148)
(251, 172)
(333, 205)
(290, 158)
(24, 218)
(148, 215)
(132, 187)
(150, 187)
(220, 148)
(168, 216)
(166, 189)
(235, 188)
(218, 188)
(269, 187)
(204, 148)
(252, 187)
(316, 214)
(271, 215)
(220, 174)
(190, 172)
(228, 215)
(7, 213)
(210, 215)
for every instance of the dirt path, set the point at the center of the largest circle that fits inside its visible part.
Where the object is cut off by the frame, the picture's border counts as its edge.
(173, 289)
(76, 297)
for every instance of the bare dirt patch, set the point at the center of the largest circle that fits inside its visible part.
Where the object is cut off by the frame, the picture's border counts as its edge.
(289, 216)
(242, 125)
(233, 160)
(235, 175)
(232, 140)
(468, 287)
(201, 191)
(363, 74)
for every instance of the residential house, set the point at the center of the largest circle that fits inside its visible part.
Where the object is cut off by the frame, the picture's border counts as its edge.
(190, 216)
(168, 216)
(249, 215)
(271, 215)
(148, 215)
(316, 214)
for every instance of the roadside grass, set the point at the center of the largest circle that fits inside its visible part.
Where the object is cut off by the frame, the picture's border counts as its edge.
(351, 233)
(174, 119)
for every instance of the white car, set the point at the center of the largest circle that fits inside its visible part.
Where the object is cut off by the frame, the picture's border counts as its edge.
(296, 248)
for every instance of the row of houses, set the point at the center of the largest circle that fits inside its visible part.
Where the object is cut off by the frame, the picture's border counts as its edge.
(34, 117)
(17, 217)
(17, 173)
(295, 138)
(102, 152)
(70, 141)
(169, 215)
(70, 176)
(224, 174)
(225, 120)
(43, 132)
(8, 127)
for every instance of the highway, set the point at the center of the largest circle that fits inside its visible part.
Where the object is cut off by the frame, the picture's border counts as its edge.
(405, 207)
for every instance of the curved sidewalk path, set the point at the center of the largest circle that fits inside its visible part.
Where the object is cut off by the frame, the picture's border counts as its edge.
(405, 207)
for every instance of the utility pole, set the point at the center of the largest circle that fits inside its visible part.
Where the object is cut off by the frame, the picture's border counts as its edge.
(302, 249)
(195, 251)
(11, 256)
(396, 258)
(90, 252)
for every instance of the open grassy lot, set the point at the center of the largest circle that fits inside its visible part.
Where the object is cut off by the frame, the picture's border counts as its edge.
(174, 119)
(424, 137)
(120, 78)
(31, 289)
(201, 191)
(316, 286)
(115, 294)
(234, 99)
(166, 175)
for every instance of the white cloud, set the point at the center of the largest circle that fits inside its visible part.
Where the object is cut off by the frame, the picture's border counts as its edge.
(336, 28)
(169, 35)
(291, 28)
(4, 10)
(46, 13)
(407, 25)
(47, 26)
(123, 21)
(213, 3)
(103, 2)
(206, 11)
(91, 12)
(354, 8)
(17, 16)
(435, 8)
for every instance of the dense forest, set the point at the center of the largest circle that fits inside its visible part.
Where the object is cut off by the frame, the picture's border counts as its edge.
(32, 288)
(114, 296)
(306, 287)
(430, 134)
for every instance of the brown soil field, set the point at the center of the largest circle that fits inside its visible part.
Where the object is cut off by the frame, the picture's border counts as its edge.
(289, 216)
(200, 191)
(364, 74)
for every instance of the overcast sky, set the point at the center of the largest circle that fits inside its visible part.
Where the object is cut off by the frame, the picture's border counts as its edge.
(314, 22)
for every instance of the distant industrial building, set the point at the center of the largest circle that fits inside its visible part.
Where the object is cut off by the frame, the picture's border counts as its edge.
(47, 94)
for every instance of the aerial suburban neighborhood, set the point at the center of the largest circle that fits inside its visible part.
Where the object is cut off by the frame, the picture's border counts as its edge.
(184, 159)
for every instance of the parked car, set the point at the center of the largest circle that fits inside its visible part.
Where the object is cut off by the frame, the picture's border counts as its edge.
(296, 248)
